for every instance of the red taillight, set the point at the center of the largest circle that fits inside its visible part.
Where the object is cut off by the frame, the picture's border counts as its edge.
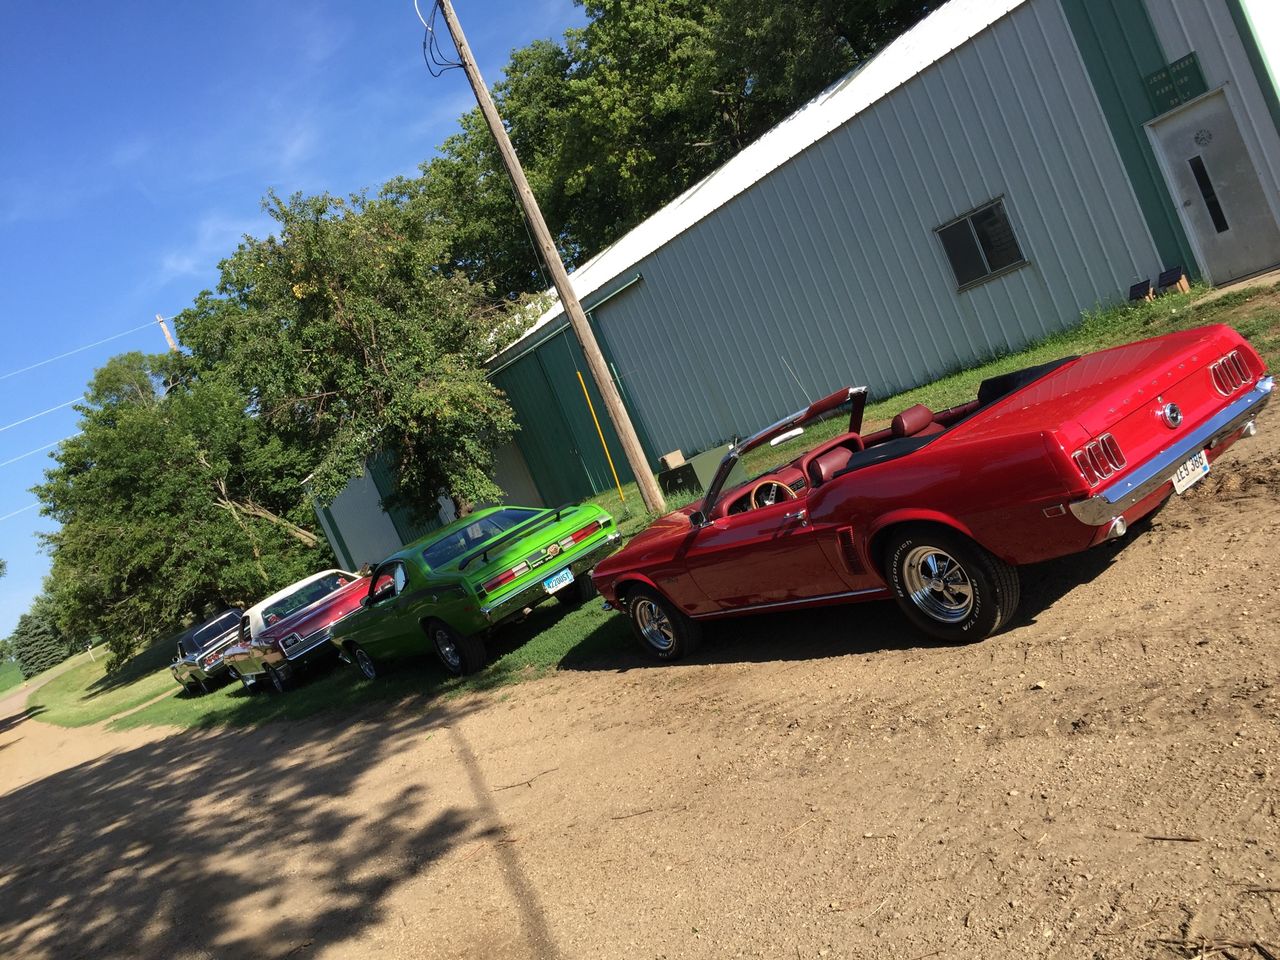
(502, 579)
(579, 535)
(1099, 459)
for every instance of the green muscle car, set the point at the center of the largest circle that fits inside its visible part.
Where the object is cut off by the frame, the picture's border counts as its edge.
(453, 587)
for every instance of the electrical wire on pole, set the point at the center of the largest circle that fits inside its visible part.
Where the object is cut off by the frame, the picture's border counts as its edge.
(14, 513)
(71, 353)
(29, 453)
(36, 416)
(617, 411)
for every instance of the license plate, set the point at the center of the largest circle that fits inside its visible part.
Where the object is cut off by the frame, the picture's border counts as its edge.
(559, 581)
(1191, 472)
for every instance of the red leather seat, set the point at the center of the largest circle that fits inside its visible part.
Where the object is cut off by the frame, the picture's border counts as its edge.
(826, 465)
(915, 421)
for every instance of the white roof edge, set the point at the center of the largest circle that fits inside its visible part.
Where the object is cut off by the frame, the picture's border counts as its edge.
(949, 27)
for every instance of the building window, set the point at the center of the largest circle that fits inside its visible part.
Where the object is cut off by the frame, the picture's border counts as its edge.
(980, 244)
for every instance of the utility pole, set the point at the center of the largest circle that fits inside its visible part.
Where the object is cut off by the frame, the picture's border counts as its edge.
(649, 492)
(173, 344)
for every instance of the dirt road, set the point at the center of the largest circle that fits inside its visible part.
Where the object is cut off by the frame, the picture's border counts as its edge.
(1098, 782)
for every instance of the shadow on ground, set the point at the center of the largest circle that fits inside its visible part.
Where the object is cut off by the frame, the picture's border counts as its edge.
(9, 722)
(837, 631)
(175, 848)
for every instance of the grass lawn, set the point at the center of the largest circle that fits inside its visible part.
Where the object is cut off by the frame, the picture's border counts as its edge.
(553, 637)
(10, 675)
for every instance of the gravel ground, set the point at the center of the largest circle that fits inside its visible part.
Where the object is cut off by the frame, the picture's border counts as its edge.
(1097, 782)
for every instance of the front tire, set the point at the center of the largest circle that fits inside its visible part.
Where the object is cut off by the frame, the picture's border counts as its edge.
(660, 628)
(460, 655)
(364, 662)
(949, 586)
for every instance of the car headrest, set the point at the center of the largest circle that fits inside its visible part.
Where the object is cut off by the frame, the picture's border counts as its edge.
(912, 420)
(827, 465)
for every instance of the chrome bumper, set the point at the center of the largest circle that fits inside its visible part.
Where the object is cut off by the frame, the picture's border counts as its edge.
(1147, 478)
(535, 592)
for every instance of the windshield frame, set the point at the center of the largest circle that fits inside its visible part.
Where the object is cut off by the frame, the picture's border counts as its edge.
(856, 395)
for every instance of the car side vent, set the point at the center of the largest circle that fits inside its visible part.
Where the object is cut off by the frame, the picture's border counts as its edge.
(1229, 374)
(849, 550)
(1099, 459)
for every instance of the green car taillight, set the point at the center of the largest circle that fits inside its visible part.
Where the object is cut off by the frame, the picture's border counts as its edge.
(521, 568)
(579, 535)
(502, 579)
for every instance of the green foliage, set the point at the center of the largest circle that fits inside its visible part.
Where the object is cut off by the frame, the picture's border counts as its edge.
(10, 675)
(37, 642)
(172, 499)
(349, 340)
(647, 99)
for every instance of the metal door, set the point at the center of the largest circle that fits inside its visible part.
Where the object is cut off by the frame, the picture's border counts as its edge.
(1215, 184)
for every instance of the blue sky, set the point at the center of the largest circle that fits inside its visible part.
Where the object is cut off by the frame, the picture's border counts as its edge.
(136, 141)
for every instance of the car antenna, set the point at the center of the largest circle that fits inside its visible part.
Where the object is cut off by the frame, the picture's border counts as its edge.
(803, 393)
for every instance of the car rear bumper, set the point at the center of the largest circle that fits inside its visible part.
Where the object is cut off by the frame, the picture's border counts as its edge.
(535, 593)
(1155, 473)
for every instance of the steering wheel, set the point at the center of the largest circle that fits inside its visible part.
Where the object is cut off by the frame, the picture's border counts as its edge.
(780, 491)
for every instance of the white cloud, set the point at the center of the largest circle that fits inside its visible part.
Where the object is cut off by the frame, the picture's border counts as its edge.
(216, 236)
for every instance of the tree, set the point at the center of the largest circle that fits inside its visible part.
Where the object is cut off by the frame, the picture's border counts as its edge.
(171, 499)
(37, 642)
(349, 339)
(633, 109)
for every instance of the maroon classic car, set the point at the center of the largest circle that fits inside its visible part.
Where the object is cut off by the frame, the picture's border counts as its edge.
(292, 627)
(939, 509)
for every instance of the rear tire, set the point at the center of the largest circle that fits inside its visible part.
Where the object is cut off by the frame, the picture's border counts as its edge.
(277, 679)
(460, 655)
(578, 593)
(949, 586)
(661, 629)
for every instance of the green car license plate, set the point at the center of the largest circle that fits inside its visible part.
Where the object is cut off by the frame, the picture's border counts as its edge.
(558, 581)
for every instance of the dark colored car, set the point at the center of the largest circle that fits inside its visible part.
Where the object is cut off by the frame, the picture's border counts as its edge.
(200, 663)
(456, 585)
(939, 509)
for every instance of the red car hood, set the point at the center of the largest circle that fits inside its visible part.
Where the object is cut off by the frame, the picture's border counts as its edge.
(320, 614)
(658, 534)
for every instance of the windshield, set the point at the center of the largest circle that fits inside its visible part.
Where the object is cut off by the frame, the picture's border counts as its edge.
(204, 635)
(457, 542)
(303, 597)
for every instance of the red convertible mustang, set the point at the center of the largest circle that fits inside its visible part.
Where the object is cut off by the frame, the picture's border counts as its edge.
(939, 509)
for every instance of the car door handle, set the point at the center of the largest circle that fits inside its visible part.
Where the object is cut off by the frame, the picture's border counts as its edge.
(798, 515)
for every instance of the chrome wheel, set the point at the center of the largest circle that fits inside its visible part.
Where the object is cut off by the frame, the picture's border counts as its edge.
(447, 647)
(365, 663)
(937, 584)
(277, 681)
(654, 624)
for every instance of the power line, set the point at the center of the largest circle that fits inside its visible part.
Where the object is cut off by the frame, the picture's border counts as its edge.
(87, 346)
(29, 506)
(35, 416)
(23, 456)
(434, 55)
